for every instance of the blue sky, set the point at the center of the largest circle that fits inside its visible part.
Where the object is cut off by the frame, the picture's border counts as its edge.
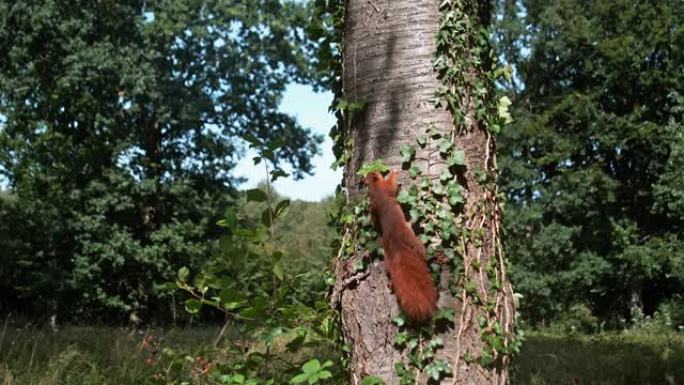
(311, 110)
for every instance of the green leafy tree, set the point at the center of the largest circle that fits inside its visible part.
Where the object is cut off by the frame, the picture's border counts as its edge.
(121, 124)
(592, 166)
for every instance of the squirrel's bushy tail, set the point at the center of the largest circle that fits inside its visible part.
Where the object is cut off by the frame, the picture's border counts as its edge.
(404, 252)
(411, 281)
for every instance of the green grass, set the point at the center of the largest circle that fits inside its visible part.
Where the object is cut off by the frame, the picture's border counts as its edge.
(608, 359)
(87, 355)
(104, 356)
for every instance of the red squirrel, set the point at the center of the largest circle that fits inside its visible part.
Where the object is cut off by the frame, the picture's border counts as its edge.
(404, 252)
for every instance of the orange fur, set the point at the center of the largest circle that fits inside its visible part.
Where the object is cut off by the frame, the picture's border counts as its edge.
(404, 252)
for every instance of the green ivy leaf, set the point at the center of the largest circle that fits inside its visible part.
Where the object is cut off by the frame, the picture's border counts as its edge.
(407, 153)
(436, 342)
(346, 105)
(376, 166)
(502, 109)
(457, 158)
(445, 176)
(444, 146)
(401, 338)
(481, 176)
(425, 184)
(445, 314)
(399, 320)
(414, 171)
(455, 194)
(405, 197)
(437, 369)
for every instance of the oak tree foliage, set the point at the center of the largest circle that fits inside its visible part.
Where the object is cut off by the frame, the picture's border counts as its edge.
(121, 122)
(592, 165)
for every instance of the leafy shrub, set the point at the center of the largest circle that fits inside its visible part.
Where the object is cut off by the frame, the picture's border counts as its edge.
(674, 310)
(283, 330)
(577, 319)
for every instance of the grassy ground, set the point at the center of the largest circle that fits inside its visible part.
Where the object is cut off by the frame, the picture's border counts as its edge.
(98, 356)
(608, 359)
(87, 355)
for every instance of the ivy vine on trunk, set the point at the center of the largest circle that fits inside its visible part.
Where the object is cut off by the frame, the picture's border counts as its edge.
(415, 94)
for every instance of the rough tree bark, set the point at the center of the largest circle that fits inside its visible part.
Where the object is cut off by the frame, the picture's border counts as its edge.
(388, 53)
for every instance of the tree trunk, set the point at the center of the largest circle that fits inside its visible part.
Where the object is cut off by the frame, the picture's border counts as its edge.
(389, 46)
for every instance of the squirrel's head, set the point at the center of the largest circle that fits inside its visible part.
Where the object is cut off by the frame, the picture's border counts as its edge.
(379, 185)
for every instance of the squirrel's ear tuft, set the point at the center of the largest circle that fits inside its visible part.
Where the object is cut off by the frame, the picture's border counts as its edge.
(391, 183)
(371, 178)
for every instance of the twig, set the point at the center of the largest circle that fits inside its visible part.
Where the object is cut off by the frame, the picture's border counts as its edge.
(33, 350)
(220, 335)
(4, 330)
